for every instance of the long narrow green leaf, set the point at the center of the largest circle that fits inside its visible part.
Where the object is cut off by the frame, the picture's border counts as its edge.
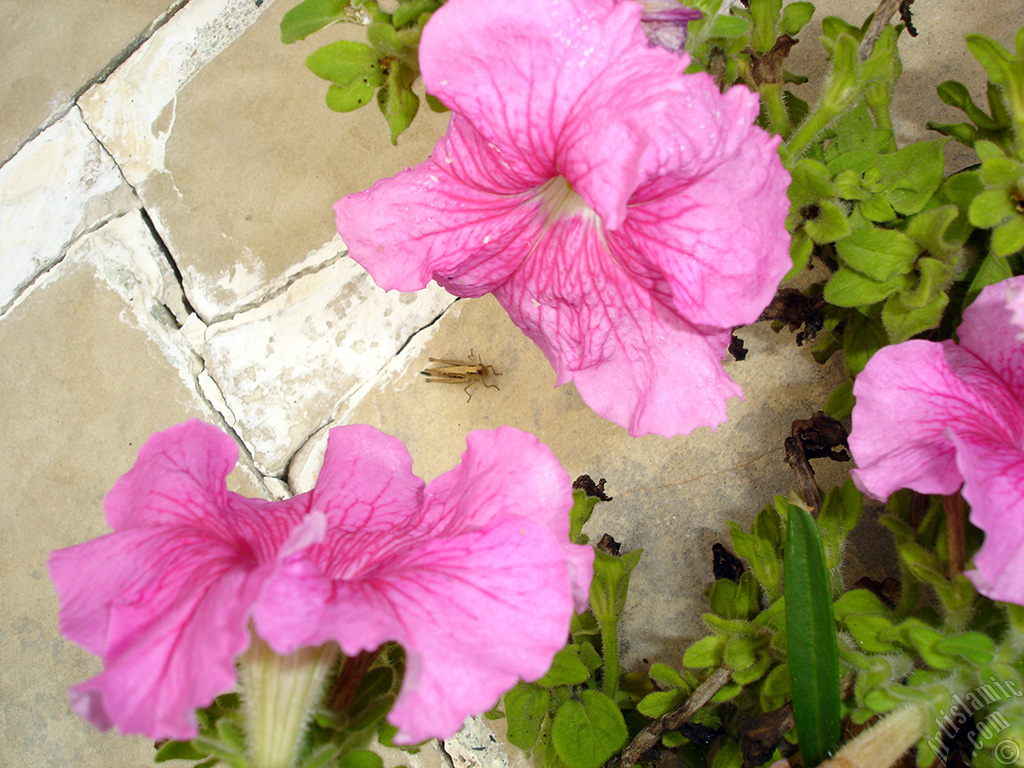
(811, 640)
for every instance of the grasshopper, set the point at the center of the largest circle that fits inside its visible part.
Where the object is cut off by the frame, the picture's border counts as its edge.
(459, 372)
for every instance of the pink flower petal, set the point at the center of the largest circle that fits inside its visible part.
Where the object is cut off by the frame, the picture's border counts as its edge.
(165, 600)
(1015, 303)
(566, 88)
(478, 585)
(631, 357)
(435, 214)
(911, 385)
(993, 471)
(711, 230)
(989, 332)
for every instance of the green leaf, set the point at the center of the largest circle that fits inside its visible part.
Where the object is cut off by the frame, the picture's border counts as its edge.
(912, 175)
(740, 652)
(840, 403)
(435, 104)
(311, 16)
(865, 630)
(858, 601)
(566, 669)
(660, 702)
(926, 641)
(610, 584)
(582, 508)
(1008, 237)
(990, 208)
(705, 653)
(775, 690)
(725, 25)
(665, 675)
(878, 253)
(753, 672)
(354, 70)
(811, 181)
(178, 750)
(526, 705)
(409, 11)
(993, 269)
(589, 731)
(397, 102)
(589, 656)
(361, 758)
(993, 57)
(973, 646)
(863, 337)
(877, 209)
(813, 654)
(794, 17)
(956, 95)
(847, 288)
(382, 36)
(965, 133)
(1000, 172)
(902, 322)
(829, 225)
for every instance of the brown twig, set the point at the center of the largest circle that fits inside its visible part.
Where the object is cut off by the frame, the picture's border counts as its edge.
(884, 12)
(651, 735)
(954, 507)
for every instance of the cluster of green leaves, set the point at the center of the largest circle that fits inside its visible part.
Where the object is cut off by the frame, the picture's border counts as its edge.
(333, 738)
(921, 652)
(749, 46)
(573, 716)
(905, 247)
(387, 63)
(780, 646)
(749, 638)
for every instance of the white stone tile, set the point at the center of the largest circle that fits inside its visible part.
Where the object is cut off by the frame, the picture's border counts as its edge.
(285, 367)
(60, 185)
(132, 111)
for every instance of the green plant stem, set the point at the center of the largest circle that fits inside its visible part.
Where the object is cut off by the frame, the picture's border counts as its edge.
(610, 649)
(808, 132)
(883, 119)
(775, 108)
(279, 695)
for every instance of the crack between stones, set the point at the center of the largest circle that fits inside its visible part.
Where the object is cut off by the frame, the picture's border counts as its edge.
(102, 74)
(356, 397)
(274, 293)
(39, 277)
(169, 258)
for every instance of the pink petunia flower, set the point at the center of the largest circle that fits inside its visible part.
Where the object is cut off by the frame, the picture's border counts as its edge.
(625, 214)
(472, 574)
(932, 417)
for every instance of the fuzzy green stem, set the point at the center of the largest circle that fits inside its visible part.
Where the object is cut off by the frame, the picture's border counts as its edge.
(775, 108)
(279, 695)
(610, 647)
(808, 132)
(884, 743)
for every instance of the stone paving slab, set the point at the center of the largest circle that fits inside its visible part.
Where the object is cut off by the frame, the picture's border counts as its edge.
(40, 79)
(239, 163)
(91, 369)
(61, 184)
(287, 366)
